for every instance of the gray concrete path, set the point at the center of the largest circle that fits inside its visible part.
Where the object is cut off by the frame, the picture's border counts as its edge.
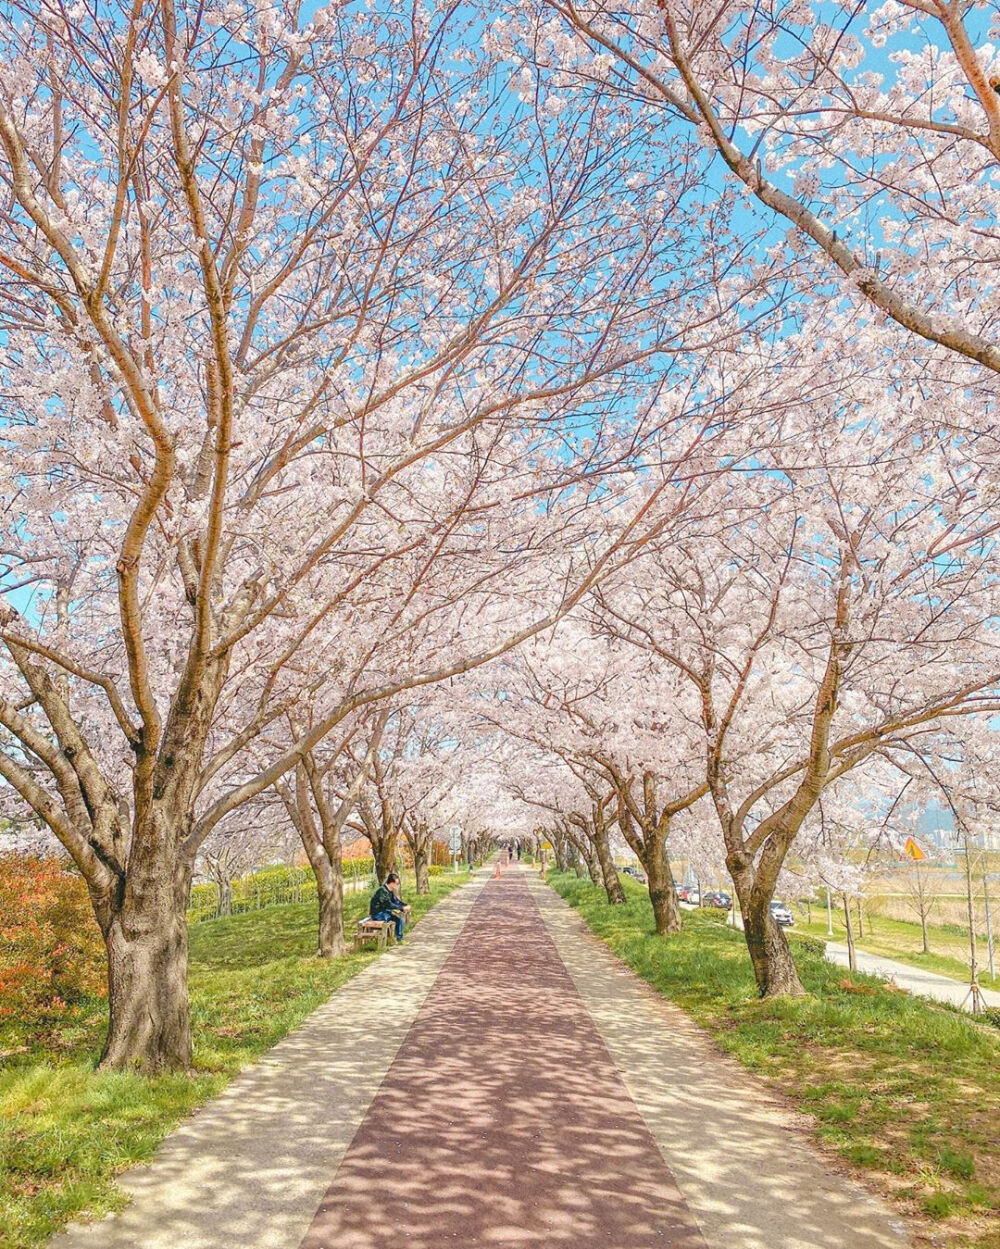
(744, 1164)
(913, 979)
(251, 1167)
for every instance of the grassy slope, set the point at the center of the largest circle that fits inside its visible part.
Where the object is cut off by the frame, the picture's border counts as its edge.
(903, 1090)
(66, 1129)
(900, 940)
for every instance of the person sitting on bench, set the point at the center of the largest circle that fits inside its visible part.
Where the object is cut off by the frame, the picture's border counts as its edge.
(387, 904)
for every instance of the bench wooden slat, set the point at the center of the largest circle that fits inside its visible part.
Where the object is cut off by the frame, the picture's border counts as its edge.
(375, 930)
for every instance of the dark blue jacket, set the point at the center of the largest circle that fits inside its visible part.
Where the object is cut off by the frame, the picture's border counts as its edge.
(383, 899)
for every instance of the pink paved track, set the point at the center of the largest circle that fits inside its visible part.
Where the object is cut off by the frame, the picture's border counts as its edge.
(503, 1120)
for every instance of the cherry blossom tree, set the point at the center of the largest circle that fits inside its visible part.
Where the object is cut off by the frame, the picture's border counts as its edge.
(871, 131)
(315, 350)
(319, 796)
(842, 623)
(619, 726)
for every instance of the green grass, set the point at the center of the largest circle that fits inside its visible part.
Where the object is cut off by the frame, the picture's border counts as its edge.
(67, 1129)
(900, 940)
(902, 1089)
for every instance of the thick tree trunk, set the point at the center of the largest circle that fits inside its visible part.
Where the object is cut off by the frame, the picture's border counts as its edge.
(385, 856)
(149, 1026)
(660, 882)
(585, 850)
(420, 864)
(332, 942)
(612, 885)
(773, 966)
(225, 897)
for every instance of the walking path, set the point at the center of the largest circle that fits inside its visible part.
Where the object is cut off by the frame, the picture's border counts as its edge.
(913, 979)
(502, 1080)
(250, 1168)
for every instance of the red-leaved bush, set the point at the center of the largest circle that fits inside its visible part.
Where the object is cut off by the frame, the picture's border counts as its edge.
(51, 952)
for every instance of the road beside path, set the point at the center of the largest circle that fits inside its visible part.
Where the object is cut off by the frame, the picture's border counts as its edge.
(913, 979)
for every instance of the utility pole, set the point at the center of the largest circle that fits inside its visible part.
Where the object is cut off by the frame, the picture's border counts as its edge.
(989, 925)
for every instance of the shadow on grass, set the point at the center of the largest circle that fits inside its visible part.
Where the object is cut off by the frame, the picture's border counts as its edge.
(898, 1086)
(67, 1129)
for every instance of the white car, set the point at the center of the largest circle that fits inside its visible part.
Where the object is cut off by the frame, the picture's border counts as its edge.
(782, 914)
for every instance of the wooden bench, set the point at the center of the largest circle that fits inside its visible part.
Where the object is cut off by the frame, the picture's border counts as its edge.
(374, 932)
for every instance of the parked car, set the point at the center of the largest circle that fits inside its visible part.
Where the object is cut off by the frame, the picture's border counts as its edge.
(690, 894)
(717, 898)
(781, 913)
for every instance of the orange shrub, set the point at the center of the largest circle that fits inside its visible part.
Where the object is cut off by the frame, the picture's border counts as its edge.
(51, 952)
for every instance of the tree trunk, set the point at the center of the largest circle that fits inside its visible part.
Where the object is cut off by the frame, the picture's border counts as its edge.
(385, 856)
(149, 1027)
(332, 942)
(660, 882)
(559, 850)
(225, 897)
(421, 867)
(594, 869)
(612, 885)
(773, 966)
(923, 931)
(584, 848)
